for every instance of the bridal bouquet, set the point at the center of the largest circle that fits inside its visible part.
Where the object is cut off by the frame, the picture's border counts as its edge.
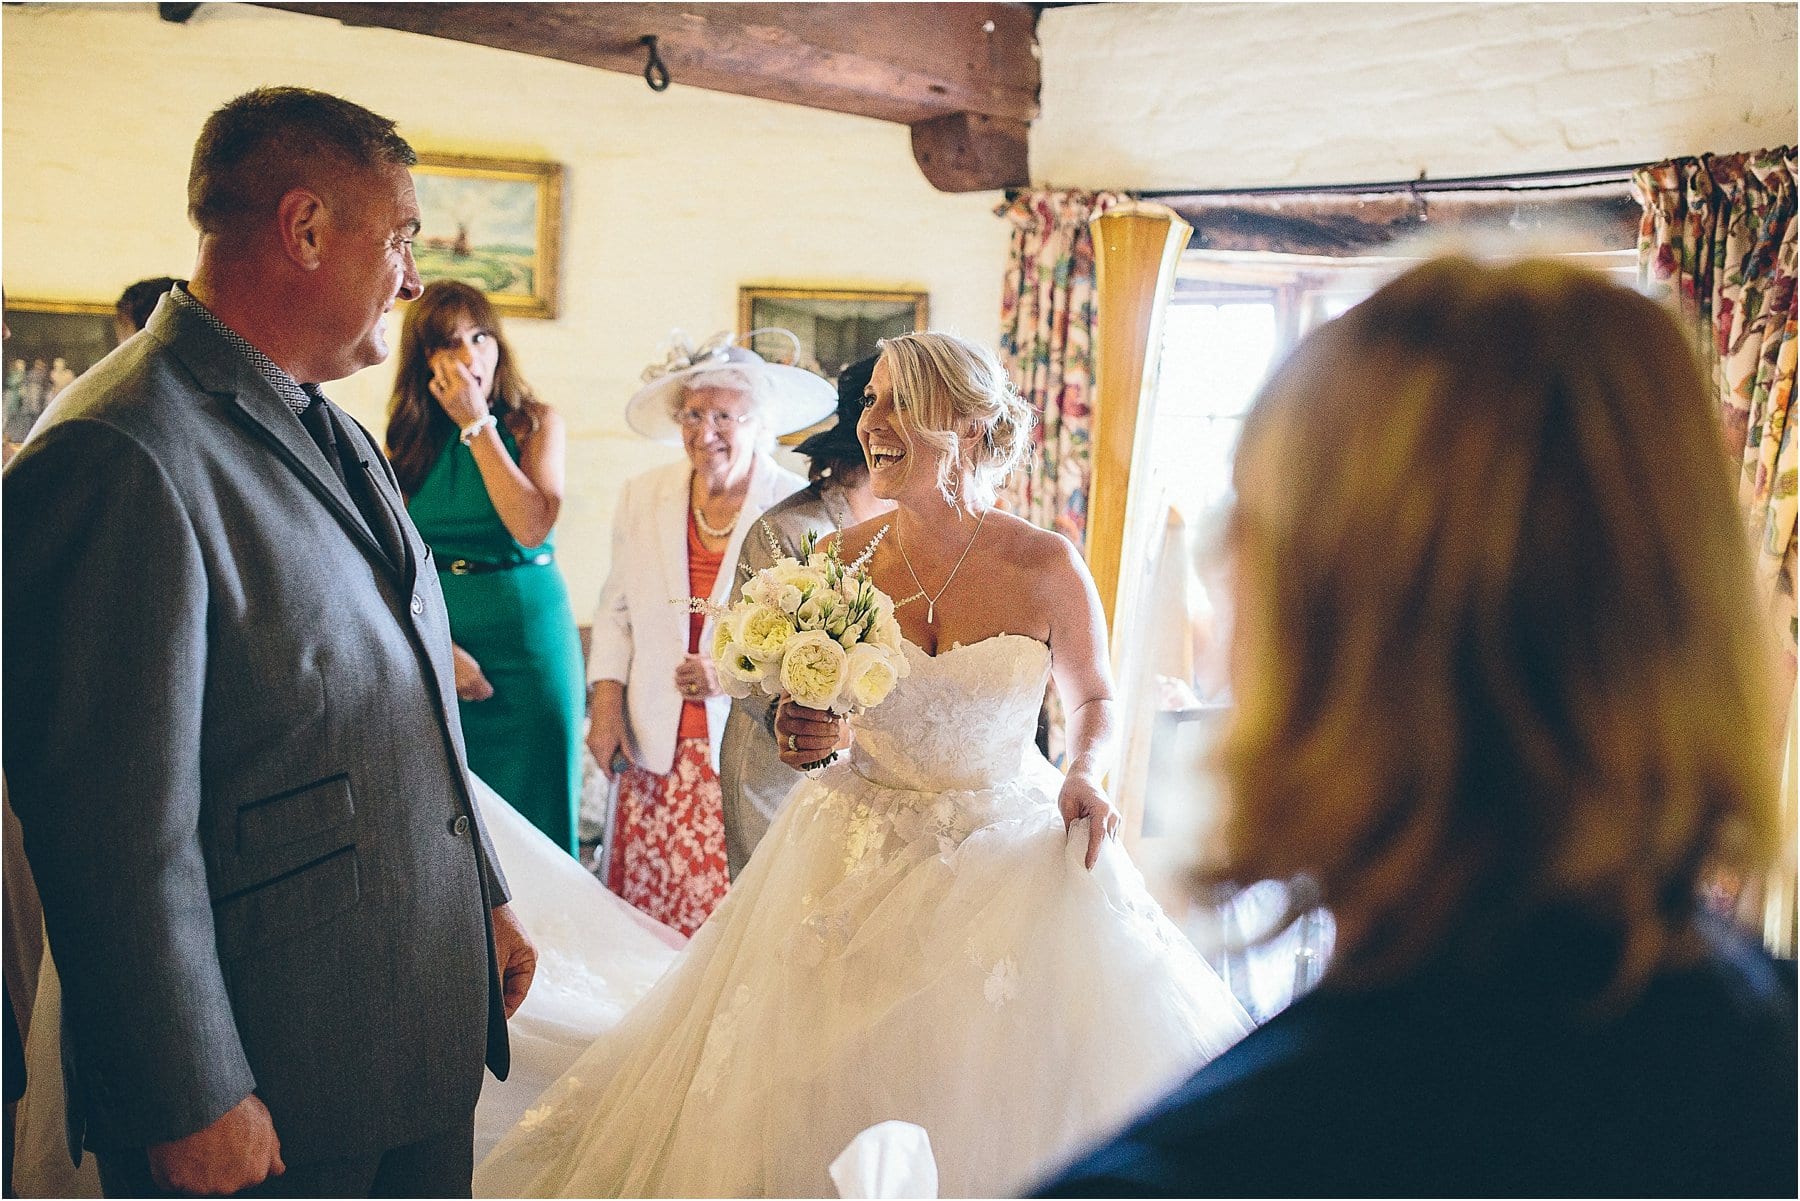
(810, 628)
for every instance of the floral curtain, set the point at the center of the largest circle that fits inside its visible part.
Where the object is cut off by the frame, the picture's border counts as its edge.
(1719, 231)
(1046, 341)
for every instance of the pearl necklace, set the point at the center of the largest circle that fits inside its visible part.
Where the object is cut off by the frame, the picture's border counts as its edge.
(930, 600)
(712, 532)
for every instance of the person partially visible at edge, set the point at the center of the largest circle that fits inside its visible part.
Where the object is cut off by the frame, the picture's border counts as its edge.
(480, 460)
(231, 741)
(656, 710)
(752, 776)
(137, 302)
(1499, 702)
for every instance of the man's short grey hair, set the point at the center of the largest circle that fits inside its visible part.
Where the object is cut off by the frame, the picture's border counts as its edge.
(258, 147)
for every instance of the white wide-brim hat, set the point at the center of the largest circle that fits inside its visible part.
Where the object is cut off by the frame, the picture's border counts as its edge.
(791, 398)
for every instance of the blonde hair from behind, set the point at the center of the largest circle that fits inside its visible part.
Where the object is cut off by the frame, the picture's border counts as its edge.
(944, 387)
(1496, 656)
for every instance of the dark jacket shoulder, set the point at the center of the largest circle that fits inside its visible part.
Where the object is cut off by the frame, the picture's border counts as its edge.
(1436, 1089)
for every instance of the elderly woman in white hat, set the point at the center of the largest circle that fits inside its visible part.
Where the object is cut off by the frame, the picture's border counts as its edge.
(656, 709)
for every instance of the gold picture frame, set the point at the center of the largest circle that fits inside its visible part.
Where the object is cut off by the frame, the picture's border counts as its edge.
(495, 223)
(836, 326)
(49, 343)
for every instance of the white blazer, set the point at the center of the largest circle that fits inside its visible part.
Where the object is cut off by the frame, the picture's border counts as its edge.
(641, 624)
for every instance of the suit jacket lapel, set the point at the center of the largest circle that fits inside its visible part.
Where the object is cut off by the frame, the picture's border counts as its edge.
(385, 509)
(221, 370)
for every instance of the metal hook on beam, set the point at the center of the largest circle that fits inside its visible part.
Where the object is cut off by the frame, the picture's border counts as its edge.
(656, 73)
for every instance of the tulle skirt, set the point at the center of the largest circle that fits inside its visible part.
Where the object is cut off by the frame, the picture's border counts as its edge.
(940, 958)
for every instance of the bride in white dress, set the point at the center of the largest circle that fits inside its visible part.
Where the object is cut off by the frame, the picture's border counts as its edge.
(937, 929)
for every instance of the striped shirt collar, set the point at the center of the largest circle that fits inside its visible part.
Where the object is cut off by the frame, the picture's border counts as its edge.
(296, 396)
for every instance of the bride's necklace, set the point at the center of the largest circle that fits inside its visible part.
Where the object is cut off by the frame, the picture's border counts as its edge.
(930, 600)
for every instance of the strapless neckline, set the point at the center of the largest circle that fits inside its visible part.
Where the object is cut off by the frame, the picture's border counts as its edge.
(969, 646)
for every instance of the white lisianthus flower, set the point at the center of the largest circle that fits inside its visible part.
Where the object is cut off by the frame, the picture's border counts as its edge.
(869, 675)
(739, 672)
(812, 669)
(811, 614)
(884, 632)
(763, 631)
(837, 621)
(758, 590)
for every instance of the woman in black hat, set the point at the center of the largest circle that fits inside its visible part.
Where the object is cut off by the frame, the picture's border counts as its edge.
(751, 773)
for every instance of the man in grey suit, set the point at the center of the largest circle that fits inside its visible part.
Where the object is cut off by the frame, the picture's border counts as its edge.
(752, 778)
(231, 733)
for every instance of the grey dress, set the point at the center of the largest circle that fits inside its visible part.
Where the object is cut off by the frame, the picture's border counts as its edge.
(751, 774)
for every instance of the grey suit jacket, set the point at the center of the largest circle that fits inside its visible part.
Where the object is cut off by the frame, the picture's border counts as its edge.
(752, 776)
(232, 741)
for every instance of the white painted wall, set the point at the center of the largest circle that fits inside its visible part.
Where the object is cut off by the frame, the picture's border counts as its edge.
(671, 200)
(1145, 96)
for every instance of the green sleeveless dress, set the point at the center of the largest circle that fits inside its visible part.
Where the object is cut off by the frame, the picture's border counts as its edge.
(525, 740)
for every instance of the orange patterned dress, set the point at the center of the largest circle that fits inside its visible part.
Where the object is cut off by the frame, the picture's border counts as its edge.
(668, 848)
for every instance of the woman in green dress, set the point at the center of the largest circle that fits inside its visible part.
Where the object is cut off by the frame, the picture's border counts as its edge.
(481, 462)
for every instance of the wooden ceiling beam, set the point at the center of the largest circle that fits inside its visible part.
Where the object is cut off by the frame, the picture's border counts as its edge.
(907, 63)
(1594, 217)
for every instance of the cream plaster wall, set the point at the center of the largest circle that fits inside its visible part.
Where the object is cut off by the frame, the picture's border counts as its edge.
(1205, 95)
(671, 201)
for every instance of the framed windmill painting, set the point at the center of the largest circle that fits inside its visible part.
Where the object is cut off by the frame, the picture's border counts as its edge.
(494, 223)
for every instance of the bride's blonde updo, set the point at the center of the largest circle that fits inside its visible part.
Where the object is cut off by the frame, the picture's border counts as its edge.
(943, 383)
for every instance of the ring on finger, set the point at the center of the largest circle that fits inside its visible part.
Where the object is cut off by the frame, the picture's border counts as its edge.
(792, 746)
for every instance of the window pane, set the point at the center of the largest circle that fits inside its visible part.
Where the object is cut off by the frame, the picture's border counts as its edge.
(1214, 357)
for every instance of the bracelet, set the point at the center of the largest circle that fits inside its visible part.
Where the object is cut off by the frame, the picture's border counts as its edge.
(473, 430)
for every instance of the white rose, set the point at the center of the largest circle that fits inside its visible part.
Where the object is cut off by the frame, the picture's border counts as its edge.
(763, 631)
(812, 669)
(869, 675)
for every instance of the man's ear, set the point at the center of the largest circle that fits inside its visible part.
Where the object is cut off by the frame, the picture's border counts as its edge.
(299, 222)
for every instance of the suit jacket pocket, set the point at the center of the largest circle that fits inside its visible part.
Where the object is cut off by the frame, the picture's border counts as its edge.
(288, 905)
(294, 816)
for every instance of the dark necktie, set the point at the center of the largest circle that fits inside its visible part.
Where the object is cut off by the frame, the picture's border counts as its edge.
(352, 472)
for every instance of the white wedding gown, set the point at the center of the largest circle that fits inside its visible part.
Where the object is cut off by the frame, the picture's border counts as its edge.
(916, 939)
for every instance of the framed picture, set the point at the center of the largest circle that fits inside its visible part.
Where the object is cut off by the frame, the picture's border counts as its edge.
(494, 223)
(49, 343)
(836, 327)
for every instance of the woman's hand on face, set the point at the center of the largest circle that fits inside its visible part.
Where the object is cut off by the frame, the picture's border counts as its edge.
(806, 736)
(1081, 797)
(453, 386)
(471, 684)
(696, 679)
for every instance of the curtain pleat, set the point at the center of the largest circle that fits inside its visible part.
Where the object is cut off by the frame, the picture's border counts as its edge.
(1719, 232)
(1047, 316)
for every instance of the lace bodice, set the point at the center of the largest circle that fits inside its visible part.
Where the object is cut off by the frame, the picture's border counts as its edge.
(963, 719)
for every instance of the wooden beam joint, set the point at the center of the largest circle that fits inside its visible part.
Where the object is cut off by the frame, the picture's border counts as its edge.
(972, 152)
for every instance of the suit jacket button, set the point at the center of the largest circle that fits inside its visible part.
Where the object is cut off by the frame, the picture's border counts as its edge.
(418, 605)
(460, 826)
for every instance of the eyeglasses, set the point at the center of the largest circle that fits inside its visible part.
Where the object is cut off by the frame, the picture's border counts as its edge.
(716, 418)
